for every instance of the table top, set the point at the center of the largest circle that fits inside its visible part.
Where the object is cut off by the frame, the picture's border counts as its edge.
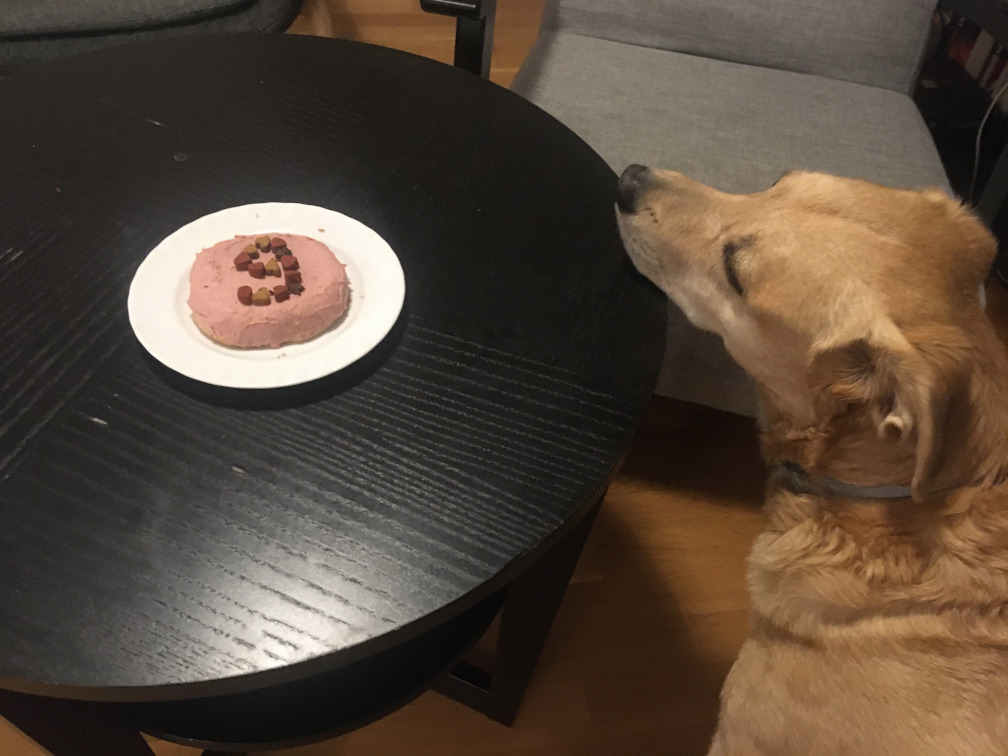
(151, 545)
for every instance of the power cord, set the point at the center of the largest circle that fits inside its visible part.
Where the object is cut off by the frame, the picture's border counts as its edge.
(980, 129)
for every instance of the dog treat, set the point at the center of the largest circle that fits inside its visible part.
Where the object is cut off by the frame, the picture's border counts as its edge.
(242, 261)
(279, 246)
(252, 251)
(293, 312)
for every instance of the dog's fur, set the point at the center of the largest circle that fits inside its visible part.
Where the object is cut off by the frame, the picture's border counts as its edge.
(878, 627)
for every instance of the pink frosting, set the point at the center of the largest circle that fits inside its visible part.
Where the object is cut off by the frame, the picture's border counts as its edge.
(213, 295)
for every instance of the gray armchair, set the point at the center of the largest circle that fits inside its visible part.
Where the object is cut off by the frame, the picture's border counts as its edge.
(34, 30)
(733, 94)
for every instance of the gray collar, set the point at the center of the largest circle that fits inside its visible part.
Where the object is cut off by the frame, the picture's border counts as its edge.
(801, 481)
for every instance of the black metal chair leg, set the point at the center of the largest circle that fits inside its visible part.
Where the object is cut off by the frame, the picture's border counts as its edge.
(474, 27)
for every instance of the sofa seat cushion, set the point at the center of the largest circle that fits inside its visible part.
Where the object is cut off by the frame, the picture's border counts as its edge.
(33, 18)
(247, 16)
(733, 126)
(868, 41)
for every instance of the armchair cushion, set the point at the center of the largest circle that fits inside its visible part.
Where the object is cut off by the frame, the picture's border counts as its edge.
(736, 127)
(35, 30)
(29, 18)
(866, 41)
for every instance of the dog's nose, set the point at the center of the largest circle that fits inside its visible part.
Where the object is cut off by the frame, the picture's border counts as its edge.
(629, 187)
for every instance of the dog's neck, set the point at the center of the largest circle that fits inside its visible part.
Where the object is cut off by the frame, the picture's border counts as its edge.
(842, 557)
(843, 448)
(846, 446)
(797, 479)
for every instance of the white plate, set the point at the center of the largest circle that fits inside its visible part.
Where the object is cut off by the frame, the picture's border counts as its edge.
(163, 323)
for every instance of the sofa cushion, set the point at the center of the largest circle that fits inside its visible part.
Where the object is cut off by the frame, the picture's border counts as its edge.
(734, 126)
(866, 41)
(30, 18)
(255, 16)
(730, 125)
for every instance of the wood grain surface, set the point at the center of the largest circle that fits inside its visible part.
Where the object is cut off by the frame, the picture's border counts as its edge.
(657, 608)
(159, 543)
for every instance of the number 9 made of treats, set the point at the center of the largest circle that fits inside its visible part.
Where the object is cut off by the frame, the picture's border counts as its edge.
(264, 291)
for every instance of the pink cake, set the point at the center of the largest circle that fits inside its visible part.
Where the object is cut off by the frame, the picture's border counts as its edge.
(251, 292)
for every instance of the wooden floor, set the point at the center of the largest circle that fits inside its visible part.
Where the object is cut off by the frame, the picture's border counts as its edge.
(402, 25)
(657, 608)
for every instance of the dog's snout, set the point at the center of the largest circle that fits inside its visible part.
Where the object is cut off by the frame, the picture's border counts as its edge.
(630, 186)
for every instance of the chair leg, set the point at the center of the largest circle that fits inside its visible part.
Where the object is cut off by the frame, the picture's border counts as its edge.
(474, 27)
(474, 41)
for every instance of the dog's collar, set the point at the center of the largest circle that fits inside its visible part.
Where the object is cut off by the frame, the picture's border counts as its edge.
(800, 481)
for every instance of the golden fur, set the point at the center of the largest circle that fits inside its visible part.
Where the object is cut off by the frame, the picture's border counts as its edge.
(878, 627)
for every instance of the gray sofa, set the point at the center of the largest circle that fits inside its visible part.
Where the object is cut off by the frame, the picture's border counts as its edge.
(734, 93)
(36, 30)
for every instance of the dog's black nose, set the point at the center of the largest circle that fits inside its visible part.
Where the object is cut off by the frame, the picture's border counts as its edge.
(629, 187)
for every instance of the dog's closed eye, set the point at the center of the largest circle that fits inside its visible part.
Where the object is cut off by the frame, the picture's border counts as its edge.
(728, 261)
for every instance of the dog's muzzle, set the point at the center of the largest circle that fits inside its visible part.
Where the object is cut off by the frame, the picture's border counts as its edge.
(631, 186)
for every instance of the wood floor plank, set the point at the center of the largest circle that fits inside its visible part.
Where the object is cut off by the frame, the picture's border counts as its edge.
(402, 25)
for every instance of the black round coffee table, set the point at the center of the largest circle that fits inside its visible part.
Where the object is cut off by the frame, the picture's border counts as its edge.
(241, 566)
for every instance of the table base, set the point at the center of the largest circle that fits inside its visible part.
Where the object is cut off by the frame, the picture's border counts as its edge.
(496, 683)
(327, 705)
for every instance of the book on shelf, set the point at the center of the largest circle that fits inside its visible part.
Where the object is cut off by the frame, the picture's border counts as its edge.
(992, 69)
(980, 55)
(983, 58)
(961, 39)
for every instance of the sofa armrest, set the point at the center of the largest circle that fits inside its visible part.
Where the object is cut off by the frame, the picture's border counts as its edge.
(474, 24)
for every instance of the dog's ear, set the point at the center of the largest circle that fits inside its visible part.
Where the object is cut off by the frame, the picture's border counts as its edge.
(904, 387)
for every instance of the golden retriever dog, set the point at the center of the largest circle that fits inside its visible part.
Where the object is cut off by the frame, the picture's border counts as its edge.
(879, 588)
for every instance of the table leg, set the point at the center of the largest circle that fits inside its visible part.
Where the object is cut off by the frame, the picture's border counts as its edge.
(73, 728)
(530, 605)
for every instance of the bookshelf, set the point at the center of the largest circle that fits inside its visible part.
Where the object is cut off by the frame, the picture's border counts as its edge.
(989, 15)
(968, 69)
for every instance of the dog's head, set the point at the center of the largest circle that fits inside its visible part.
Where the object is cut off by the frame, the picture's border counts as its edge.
(832, 293)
